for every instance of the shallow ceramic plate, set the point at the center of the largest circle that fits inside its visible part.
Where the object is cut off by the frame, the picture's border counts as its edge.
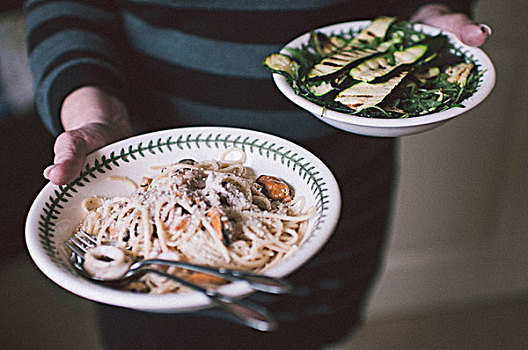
(56, 211)
(390, 127)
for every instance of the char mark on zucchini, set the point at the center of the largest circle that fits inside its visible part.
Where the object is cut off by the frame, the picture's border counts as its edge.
(364, 95)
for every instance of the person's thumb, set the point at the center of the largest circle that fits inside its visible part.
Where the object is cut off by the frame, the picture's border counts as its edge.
(473, 34)
(469, 32)
(92, 119)
(72, 146)
(70, 151)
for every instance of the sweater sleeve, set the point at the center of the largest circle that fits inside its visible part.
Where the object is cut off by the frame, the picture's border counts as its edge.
(72, 44)
(405, 9)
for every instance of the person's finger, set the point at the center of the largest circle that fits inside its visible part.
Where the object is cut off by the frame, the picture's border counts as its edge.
(70, 151)
(469, 32)
(474, 34)
(71, 148)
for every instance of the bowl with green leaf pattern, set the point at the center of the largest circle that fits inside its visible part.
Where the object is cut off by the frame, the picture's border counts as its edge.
(56, 211)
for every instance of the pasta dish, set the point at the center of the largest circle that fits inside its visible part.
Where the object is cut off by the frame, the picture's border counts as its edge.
(216, 213)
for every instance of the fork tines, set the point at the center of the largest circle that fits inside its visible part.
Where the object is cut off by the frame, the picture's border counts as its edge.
(80, 242)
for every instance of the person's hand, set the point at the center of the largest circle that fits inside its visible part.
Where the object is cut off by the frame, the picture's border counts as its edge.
(440, 16)
(92, 119)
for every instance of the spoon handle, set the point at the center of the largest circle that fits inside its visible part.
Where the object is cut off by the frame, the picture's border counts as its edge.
(249, 314)
(256, 281)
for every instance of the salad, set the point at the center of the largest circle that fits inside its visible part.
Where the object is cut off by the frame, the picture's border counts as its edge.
(387, 70)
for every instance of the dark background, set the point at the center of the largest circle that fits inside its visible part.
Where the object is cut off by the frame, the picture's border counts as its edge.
(26, 150)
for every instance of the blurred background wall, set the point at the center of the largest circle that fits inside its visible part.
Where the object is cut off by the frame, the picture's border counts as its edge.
(458, 243)
(460, 227)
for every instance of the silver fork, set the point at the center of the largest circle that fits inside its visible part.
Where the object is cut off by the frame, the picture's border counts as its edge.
(81, 241)
(249, 314)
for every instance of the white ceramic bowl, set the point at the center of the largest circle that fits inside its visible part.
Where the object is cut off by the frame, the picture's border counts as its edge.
(56, 211)
(390, 127)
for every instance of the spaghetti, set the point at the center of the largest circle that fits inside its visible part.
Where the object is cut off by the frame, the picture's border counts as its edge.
(215, 213)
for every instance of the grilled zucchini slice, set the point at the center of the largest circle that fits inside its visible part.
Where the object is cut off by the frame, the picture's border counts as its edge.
(346, 55)
(319, 88)
(459, 73)
(426, 73)
(339, 60)
(363, 95)
(377, 29)
(380, 65)
(282, 64)
(324, 44)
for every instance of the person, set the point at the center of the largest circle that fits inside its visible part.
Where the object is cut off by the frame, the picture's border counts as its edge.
(105, 70)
